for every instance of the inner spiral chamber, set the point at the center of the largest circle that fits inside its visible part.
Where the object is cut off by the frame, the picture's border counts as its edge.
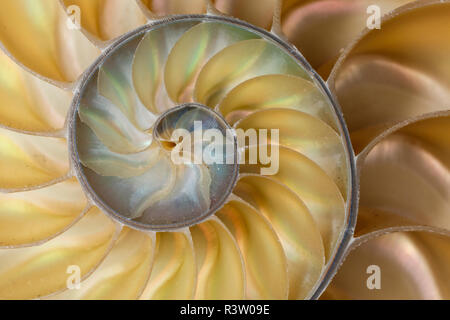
(131, 173)
(167, 166)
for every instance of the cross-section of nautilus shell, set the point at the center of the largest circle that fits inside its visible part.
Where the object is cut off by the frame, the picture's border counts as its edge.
(93, 204)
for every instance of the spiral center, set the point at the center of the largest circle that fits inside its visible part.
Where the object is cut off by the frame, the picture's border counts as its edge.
(195, 134)
(182, 173)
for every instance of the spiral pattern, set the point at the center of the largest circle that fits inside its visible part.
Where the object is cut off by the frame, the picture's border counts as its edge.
(238, 73)
(91, 188)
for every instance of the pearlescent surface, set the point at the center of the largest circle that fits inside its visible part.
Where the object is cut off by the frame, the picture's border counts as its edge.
(118, 208)
(275, 237)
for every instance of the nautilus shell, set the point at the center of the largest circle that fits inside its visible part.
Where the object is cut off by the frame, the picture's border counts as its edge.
(93, 93)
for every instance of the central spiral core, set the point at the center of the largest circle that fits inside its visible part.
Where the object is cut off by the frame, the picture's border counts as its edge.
(168, 172)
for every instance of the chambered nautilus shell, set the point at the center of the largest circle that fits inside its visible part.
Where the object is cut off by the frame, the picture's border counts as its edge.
(93, 93)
